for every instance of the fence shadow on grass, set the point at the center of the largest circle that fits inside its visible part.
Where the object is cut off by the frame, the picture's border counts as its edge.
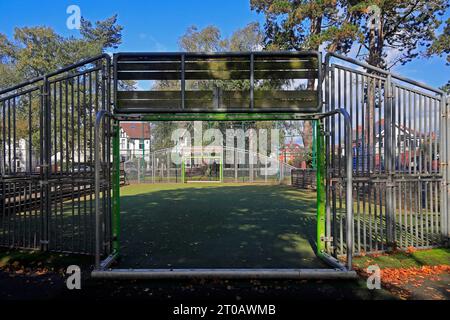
(233, 226)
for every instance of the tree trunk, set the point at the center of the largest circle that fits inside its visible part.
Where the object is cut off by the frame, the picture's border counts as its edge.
(376, 41)
(316, 27)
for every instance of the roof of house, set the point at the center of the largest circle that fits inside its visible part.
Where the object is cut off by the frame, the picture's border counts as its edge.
(136, 130)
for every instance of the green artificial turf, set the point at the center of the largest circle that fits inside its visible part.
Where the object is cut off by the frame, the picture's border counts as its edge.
(210, 225)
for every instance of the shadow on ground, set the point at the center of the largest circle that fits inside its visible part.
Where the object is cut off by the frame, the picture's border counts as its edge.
(210, 226)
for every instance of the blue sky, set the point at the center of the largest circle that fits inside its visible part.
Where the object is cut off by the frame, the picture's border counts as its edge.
(157, 25)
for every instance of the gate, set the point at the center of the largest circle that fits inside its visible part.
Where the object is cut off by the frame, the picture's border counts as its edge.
(400, 159)
(46, 159)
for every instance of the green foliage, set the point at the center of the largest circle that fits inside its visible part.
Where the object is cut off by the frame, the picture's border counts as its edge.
(209, 39)
(446, 87)
(441, 47)
(107, 33)
(162, 134)
(205, 40)
(35, 51)
(302, 25)
(405, 30)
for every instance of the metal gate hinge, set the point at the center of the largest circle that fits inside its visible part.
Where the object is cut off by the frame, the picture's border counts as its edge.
(326, 239)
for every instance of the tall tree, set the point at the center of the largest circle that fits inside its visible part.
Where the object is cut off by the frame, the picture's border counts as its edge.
(441, 47)
(208, 39)
(35, 51)
(106, 32)
(307, 25)
(400, 31)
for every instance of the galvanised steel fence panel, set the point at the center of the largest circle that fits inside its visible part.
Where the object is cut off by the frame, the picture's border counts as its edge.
(400, 158)
(46, 183)
(21, 120)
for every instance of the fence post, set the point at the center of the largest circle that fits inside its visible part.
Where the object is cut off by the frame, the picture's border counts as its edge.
(445, 149)
(388, 156)
(46, 169)
(116, 188)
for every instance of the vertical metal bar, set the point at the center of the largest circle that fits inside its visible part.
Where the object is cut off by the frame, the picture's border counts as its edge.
(9, 137)
(320, 174)
(349, 187)
(403, 133)
(340, 105)
(429, 132)
(60, 228)
(85, 138)
(339, 147)
(183, 81)
(445, 146)
(3, 184)
(39, 220)
(14, 137)
(364, 149)
(436, 130)
(106, 105)
(116, 189)
(252, 80)
(389, 125)
(80, 229)
(72, 143)
(410, 145)
(115, 80)
(328, 226)
(333, 122)
(4, 167)
(99, 214)
(46, 164)
(91, 138)
(30, 141)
